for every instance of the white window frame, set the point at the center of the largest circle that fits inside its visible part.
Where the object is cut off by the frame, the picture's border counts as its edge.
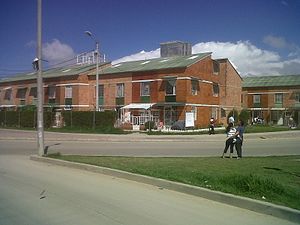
(120, 90)
(68, 92)
(256, 99)
(173, 86)
(145, 88)
(215, 94)
(194, 87)
(8, 94)
(297, 97)
(278, 98)
(51, 92)
(214, 113)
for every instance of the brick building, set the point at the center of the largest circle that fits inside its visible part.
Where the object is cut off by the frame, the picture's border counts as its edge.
(167, 90)
(65, 88)
(190, 88)
(273, 99)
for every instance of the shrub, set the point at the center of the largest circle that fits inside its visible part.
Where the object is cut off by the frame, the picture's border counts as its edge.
(244, 116)
(149, 124)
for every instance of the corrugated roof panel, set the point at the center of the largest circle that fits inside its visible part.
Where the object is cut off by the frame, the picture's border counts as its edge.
(154, 64)
(54, 72)
(271, 81)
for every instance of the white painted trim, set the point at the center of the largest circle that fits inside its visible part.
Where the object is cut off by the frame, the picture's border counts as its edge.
(142, 81)
(6, 106)
(273, 92)
(202, 105)
(206, 81)
(73, 105)
(72, 84)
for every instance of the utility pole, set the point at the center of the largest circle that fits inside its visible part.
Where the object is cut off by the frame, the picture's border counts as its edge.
(97, 68)
(97, 76)
(40, 91)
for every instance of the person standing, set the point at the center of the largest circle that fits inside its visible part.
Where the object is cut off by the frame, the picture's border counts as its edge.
(231, 120)
(231, 139)
(211, 129)
(239, 138)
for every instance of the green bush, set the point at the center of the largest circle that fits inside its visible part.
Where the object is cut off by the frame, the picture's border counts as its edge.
(27, 119)
(149, 124)
(244, 116)
(86, 119)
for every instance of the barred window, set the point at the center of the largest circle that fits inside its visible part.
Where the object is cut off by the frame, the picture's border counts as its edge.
(278, 98)
(120, 90)
(216, 90)
(171, 87)
(145, 89)
(256, 98)
(68, 92)
(195, 87)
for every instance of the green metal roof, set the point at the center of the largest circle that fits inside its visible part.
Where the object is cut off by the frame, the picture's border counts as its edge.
(271, 81)
(154, 64)
(50, 73)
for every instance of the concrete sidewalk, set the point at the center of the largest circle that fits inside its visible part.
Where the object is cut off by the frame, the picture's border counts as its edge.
(242, 202)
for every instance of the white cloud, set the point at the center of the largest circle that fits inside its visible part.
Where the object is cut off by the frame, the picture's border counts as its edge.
(139, 56)
(276, 42)
(248, 59)
(56, 52)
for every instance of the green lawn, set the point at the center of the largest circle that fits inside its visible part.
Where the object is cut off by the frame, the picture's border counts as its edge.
(272, 179)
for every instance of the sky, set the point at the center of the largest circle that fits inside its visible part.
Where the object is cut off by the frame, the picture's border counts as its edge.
(260, 37)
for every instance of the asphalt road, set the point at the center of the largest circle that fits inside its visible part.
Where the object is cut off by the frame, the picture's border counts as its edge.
(24, 142)
(38, 193)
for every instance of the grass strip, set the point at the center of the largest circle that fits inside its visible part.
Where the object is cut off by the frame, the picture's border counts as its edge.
(273, 179)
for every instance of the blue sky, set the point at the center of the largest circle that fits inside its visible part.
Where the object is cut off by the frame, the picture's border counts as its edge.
(260, 37)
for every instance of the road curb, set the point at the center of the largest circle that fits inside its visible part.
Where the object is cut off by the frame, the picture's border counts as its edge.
(242, 202)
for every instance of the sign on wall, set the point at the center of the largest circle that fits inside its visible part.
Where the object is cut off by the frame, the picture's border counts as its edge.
(189, 119)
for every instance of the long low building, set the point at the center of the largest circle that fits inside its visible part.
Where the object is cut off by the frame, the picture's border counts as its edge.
(273, 99)
(190, 88)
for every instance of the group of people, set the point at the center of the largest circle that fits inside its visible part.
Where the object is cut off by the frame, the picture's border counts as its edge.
(234, 138)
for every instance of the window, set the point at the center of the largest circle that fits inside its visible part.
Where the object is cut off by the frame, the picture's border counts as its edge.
(145, 89)
(216, 67)
(195, 87)
(68, 96)
(171, 87)
(51, 92)
(33, 92)
(215, 90)
(256, 99)
(297, 97)
(194, 111)
(101, 90)
(68, 92)
(8, 94)
(278, 98)
(120, 90)
(21, 93)
(214, 113)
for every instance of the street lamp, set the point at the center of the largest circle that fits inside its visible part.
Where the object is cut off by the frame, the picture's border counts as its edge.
(97, 68)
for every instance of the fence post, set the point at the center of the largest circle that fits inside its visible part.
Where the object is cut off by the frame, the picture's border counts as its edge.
(94, 119)
(5, 118)
(19, 119)
(71, 118)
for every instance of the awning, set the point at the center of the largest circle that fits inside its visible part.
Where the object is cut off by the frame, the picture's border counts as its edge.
(138, 106)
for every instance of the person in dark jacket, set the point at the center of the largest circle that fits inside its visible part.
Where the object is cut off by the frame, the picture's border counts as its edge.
(239, 139)
(211, 129)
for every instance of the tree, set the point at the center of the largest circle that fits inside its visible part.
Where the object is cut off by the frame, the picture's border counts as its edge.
(244, 116)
